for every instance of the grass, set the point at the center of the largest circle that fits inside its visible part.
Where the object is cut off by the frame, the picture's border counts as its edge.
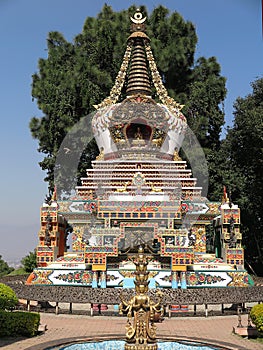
(258, 340)
(17, 272)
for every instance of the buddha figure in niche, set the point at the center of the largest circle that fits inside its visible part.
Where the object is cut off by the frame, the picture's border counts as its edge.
(138, 134)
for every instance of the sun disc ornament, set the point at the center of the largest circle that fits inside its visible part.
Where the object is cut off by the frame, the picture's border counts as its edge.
(138, 18)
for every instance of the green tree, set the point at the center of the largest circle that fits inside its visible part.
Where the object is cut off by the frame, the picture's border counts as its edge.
(205, 114)
(29, 262)
(4, 268)
(242, 168)
(77, 75)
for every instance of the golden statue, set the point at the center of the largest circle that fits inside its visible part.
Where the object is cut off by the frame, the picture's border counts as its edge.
(155, 189)
(124, 188)
(176, 156)
(138, 134)
(101, 155)
(141, 335)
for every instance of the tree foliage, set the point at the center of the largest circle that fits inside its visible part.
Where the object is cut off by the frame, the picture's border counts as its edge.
(77, 75)
(8, 298)
(4, 268)
(29, 262)
(242, 168)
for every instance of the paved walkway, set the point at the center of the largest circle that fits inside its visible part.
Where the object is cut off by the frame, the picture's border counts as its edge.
(63, 328)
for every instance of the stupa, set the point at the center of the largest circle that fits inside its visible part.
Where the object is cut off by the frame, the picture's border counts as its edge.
(139, 192)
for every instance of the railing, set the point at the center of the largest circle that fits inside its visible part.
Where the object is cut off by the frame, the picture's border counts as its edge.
(111, 296)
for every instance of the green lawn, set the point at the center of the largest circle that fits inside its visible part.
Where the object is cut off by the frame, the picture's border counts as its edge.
(19, 271)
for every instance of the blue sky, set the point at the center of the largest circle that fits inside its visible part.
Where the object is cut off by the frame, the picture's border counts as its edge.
(231, 30)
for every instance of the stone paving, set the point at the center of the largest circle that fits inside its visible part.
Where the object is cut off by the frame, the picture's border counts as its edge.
(64, 328)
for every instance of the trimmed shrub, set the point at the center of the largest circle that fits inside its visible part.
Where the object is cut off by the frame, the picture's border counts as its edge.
(19, 323)
(256, 315)
(8, 298)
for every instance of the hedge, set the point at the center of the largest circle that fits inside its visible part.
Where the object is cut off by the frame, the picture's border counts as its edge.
(256, 315)
(19, 323)
(8, 298)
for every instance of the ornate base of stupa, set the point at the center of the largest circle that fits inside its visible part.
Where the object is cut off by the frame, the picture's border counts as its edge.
(141, 346)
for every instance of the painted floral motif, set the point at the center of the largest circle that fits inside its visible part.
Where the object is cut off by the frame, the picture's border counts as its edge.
(198, 278)
(205, 260)
(110, 278)
(77, 259)
(41, 277)
(238, 279)
(82, 277)
(167, 278)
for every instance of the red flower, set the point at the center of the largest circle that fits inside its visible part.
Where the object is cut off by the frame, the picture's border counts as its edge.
(201, 278)
(192, 279)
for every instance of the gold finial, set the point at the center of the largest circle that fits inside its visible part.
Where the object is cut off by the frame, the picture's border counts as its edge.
(176, 156)
(138, 17)
(138, 25)
(101, 155)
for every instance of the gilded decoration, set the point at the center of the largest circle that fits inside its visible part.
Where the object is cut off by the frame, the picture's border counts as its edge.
(117, 134)
(101, 155)
(117, 87)
(41, 277)
(200, 238)
(239, 279)
(141, 310)
(77, 238)
(214, 208)
(144, 113)
(132, 274)
(176, 156)
(161, 90)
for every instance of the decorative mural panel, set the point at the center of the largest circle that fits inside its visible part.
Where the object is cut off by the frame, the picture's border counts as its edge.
(235, 256)
(207, 279)
(77, 235)
(40, 277)
(200, 238)
(137, 206)
(95, 240)
(217, 279)
(163, 279)
(239, 279)
(125, 278)
(77, 206)
(135, 233)
(61, 277)
(208, 259)
(95, 258)
(227, 214)
(193, 207)
(176, 243)
(72, 277)
(114, 278)
(181, 256)
(140, 215)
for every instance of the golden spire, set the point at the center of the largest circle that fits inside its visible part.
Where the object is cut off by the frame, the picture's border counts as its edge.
(139, 68)
(138, 76)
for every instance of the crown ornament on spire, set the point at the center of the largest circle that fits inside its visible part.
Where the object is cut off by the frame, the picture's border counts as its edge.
(138, 22)
(140, 71)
